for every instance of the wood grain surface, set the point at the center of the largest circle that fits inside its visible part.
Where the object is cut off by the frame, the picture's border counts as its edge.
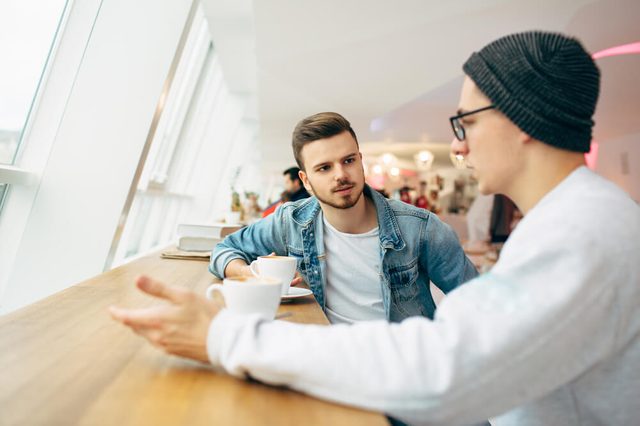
(65, 362)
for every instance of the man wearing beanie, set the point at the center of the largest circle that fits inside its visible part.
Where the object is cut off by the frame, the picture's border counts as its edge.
(550, 336)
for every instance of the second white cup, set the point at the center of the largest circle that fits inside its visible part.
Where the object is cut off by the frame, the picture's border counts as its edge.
(282, 268)
(249, 295)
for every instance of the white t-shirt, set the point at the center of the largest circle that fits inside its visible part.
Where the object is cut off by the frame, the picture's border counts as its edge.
(352, 290)
(550, 336)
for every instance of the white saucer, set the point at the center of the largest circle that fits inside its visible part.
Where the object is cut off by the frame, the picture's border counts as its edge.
(295, 292)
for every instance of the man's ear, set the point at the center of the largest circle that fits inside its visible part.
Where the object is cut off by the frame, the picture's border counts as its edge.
(524, 138)
(305, 181)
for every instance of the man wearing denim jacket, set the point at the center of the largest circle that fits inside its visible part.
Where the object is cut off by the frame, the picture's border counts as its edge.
(364, 258)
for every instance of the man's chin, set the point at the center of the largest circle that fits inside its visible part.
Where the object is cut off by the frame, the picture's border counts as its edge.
(340, 202)
(475, 174)
(345, 202)
(483, 188)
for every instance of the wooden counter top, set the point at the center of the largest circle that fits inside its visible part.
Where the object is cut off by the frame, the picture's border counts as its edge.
(65, 362)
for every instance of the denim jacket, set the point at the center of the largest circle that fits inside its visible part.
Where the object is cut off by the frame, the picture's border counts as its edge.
(415, 248)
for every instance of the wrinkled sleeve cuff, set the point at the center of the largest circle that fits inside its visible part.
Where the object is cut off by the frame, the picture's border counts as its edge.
(220, 261)
(222, 330)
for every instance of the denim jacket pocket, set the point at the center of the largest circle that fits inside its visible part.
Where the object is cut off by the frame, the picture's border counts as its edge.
(403, 275)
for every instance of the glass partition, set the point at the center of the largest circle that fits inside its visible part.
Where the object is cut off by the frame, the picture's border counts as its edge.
(27, 31)
(3, 188)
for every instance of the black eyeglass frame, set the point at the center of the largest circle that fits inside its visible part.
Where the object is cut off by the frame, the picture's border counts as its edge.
(456, 125)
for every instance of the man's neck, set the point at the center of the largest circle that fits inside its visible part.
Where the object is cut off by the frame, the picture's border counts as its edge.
(360, 218)
(541, 175)
(295, 190)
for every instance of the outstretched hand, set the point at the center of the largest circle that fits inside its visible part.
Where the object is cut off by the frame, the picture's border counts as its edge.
(179, 328)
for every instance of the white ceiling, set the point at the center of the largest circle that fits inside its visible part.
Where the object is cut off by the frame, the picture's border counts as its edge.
(394, 68)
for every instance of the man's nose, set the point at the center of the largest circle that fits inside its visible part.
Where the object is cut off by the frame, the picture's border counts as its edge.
(459, 147)
(340, 172)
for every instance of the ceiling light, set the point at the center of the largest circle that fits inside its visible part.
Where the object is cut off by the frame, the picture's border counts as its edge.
(388, 159)
(424, 159)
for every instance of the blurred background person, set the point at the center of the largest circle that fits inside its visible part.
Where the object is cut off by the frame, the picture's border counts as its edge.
(422, 201)
(293, 185)
(293, 190)
(434, 200)
(478, 221)
(502, 217)
(405, 196)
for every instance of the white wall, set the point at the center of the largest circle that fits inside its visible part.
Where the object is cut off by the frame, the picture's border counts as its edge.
(619, 161)
(95, 151)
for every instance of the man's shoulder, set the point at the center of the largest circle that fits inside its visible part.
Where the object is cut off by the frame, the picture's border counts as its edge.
(400, 208)
(291, 206)
(300, 211)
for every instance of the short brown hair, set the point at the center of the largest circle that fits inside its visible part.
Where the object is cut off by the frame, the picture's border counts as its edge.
(318, 126)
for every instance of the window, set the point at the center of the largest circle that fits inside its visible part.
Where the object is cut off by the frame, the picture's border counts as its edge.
(82, 144)
(27, 32)
(3, 188)
(200, 140)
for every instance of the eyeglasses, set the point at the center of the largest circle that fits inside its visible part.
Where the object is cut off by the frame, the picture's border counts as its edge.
(456, 125)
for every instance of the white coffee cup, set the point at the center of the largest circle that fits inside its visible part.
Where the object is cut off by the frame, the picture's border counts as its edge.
(283, 268)
(249, 295)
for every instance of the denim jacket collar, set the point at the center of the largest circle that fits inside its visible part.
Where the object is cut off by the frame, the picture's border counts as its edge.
(389, 231)
(390, 236)
(306, 212)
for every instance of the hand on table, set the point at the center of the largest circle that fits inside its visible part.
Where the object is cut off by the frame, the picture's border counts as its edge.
(179, 328)
(297, 279)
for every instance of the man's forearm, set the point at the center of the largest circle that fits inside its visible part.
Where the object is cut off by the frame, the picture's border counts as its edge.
(237, 267)
(263, 237)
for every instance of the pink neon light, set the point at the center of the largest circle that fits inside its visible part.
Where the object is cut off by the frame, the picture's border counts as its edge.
(625, 49)
(591, 157)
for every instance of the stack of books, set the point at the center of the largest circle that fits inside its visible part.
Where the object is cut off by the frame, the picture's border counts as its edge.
(203, 237)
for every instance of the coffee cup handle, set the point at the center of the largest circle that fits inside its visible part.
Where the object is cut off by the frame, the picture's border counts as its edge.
(253, 267)
(212, 289)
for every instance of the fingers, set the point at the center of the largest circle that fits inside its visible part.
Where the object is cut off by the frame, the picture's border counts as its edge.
(156, 337)
(161, 290)
(137, 318)
(177, 330)
(297, 279)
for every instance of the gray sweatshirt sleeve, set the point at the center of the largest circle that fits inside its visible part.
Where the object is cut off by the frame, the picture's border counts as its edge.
(503, 340)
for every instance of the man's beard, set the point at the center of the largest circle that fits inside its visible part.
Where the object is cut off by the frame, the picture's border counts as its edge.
(347, 202)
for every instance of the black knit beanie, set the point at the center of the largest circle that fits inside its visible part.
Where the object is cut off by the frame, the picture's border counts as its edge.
(546, 83)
